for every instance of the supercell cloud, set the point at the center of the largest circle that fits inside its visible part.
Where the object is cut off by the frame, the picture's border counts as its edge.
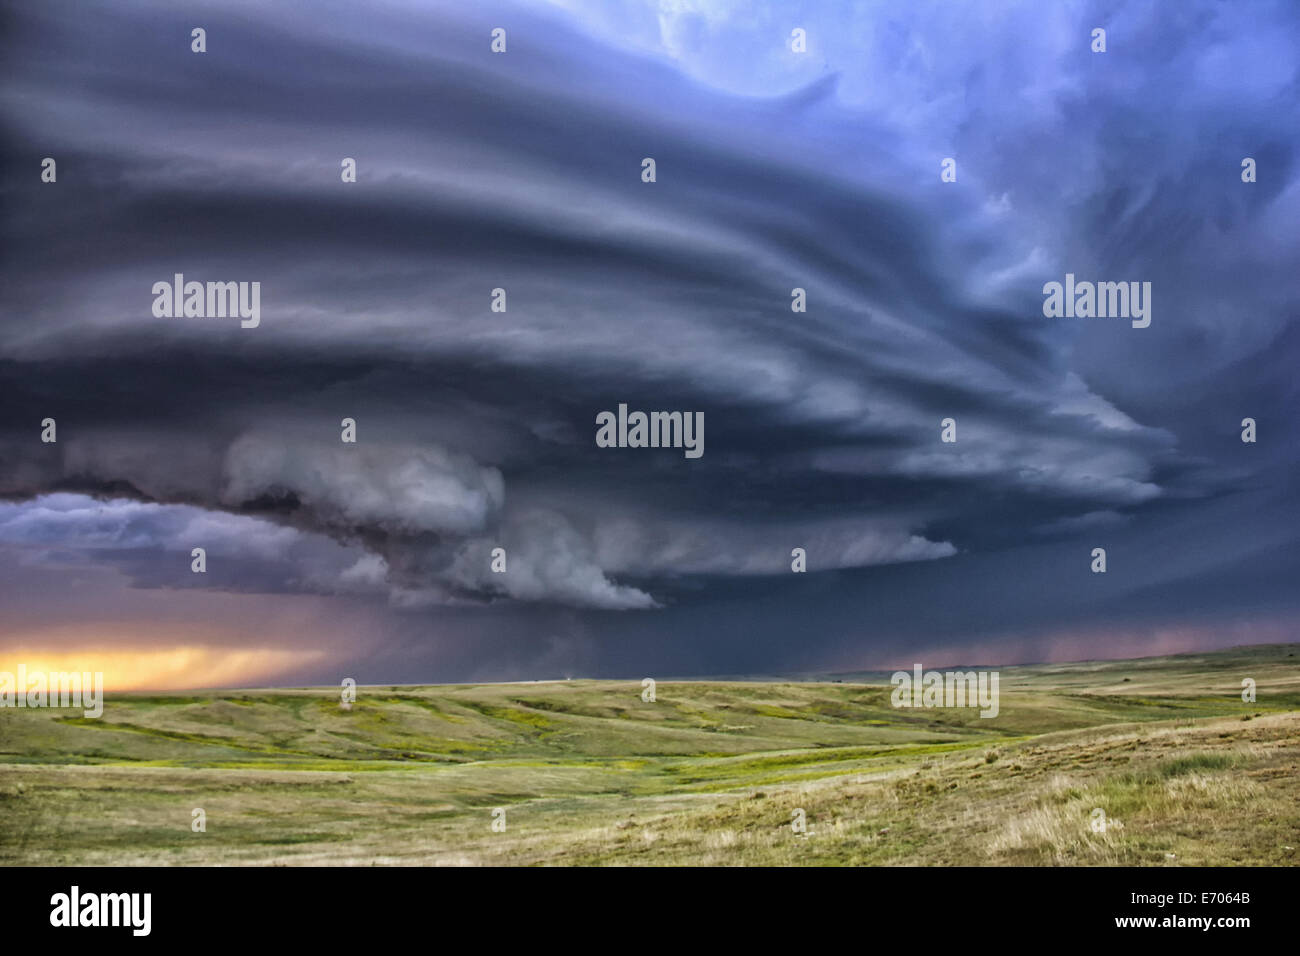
(775, 171)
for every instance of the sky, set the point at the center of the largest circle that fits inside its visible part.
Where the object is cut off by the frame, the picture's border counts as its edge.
(775, 170)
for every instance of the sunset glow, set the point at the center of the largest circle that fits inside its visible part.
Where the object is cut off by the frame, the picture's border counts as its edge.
(176, 668)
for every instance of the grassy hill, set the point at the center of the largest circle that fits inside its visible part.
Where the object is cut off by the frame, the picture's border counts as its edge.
(709, 773)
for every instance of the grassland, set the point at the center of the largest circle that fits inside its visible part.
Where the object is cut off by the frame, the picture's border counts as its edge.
(710, 773)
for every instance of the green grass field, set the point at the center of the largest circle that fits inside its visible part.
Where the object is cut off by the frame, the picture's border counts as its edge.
(711, 773)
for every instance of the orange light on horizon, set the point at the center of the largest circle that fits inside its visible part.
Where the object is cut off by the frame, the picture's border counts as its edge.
(174, 668)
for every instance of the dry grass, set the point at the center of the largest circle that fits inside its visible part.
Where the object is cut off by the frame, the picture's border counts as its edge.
(589, 778)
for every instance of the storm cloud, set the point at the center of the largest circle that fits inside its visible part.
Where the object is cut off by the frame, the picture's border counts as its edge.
(775, 171)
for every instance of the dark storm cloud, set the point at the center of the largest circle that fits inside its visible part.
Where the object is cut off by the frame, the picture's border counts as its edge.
(521, 171)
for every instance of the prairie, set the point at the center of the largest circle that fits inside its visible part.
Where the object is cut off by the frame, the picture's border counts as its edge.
(1182, 770)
